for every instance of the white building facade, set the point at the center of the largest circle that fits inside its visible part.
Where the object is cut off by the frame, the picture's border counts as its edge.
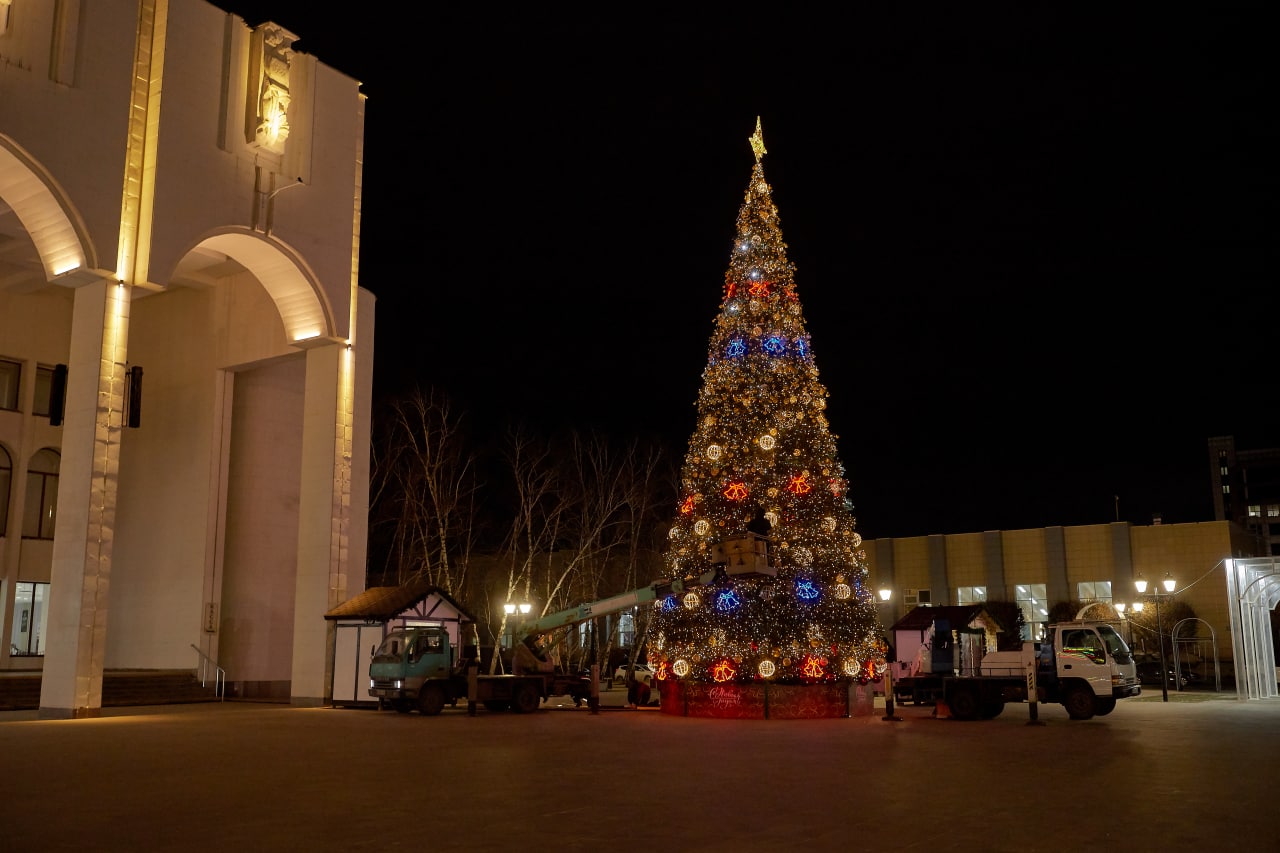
(185, 351)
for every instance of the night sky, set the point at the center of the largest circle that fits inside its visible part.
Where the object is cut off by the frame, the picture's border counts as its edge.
(1035, 249)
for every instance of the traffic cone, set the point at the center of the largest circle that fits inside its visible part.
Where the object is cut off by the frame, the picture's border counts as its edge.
(941, 711)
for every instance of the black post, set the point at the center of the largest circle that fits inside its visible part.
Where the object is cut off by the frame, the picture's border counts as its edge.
(1164, 673)
(890, 658)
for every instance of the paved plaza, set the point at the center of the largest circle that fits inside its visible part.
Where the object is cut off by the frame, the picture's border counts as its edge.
(1182, 775)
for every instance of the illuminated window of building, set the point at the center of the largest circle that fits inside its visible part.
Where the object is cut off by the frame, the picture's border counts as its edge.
(1094, 591)
(1273, 510)
(1223, 471)
(1032, 598)
(42, 495)
(1226, 489)
(10, 374)
(971, 594)
(1255, 511)
(30, 617)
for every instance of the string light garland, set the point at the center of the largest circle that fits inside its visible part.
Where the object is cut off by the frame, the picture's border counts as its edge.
(762, 442)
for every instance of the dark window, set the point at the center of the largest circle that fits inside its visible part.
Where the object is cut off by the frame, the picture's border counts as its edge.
(10, 374)
(41, 510)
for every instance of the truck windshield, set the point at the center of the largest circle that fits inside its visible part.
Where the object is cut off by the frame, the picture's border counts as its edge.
(1115, 644)
(393, 645)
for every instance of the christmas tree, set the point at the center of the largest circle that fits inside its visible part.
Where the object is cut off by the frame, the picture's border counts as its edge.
(762, 443)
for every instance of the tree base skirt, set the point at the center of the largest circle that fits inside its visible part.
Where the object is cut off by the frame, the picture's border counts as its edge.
(765, 701)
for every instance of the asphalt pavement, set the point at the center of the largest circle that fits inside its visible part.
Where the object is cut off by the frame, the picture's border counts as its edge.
(1188, 774)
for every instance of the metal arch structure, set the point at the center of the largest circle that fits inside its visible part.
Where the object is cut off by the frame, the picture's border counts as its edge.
(1213, 636)
(1253, 590)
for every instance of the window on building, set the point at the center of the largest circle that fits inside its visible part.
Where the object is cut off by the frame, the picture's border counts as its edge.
(1094, 591)
(1255, 511)
(30, 617)
(1273, 510)
(1226, 489)
(42, 495)
(10, 374)
(1032, 599)
(44, 387)
(1223, 471)
(626, 630)
(971, 594)
(914, 597)
(6, 482)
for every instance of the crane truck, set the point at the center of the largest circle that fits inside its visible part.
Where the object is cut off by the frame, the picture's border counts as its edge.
(1084, 666)
(418, 667)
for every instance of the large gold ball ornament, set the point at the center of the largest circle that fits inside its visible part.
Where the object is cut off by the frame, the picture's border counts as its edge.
(829, 524)
(766, 669)
(767, 442)
(691, 601)
(680, 668)
(701, 527)
(857, 540)
(843, 591)
(673, 533)
(850, 666)
(714, 451)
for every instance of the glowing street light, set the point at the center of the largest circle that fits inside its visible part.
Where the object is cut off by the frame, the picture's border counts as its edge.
(1169, 583)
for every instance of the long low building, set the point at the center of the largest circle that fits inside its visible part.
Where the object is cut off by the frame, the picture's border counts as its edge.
(1217, 567)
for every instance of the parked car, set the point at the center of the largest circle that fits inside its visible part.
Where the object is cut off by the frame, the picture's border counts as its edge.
(1149, 673)
(643, 673)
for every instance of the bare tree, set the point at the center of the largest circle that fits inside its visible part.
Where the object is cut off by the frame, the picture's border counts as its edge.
(424, 492)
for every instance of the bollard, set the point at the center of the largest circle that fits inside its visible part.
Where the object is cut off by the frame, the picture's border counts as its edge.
(593, 701)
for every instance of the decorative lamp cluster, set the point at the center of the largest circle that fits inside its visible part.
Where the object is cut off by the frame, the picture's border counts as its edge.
(762, 443)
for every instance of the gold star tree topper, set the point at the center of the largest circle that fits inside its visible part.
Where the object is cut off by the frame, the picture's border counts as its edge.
(757, 141)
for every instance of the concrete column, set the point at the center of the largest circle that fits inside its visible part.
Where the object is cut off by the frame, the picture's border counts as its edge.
(81, 571)
(324, 518)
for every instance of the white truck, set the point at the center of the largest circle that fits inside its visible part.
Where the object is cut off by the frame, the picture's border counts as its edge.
(1084, 666)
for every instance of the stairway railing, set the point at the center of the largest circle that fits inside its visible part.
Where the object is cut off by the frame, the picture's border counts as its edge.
(209, 665)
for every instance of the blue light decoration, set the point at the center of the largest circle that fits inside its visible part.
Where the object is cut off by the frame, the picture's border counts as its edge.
(727, 600)
(806, 591)
(802, 347)
(669, 604)
(775, 345)
(737, 348)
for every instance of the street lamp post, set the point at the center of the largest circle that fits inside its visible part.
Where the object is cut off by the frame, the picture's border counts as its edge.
(890, 658)
(1169, 584)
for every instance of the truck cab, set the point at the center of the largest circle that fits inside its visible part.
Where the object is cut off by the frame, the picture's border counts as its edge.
(405, 659)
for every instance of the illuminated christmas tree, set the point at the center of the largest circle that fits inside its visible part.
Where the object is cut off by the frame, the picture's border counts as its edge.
(762, 442)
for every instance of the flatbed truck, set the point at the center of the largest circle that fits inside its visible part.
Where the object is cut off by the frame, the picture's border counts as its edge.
(1084, 666)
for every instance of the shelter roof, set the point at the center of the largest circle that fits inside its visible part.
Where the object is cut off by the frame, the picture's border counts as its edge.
(922, 618)
(384, 603)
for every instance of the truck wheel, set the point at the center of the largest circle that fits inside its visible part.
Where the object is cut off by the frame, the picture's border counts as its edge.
(1102, 707)
(525, 700)
(992, 708)
(1079, 703)
(964, 703)
(430, 700)
(402, 706)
